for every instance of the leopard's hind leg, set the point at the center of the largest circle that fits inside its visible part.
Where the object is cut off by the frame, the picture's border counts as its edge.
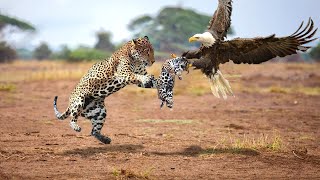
(75, 109)
(96, 112)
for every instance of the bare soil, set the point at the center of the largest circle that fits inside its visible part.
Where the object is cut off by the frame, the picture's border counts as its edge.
(197, 140)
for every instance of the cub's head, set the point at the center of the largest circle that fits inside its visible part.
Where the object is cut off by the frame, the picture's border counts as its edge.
(180, 64)
(142, 50)
(176, 66)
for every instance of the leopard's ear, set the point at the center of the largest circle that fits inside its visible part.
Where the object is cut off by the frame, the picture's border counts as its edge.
(146, 37)
(134, 41)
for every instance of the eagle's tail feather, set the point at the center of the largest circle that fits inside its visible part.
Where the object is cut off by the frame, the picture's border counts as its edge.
(220, 86)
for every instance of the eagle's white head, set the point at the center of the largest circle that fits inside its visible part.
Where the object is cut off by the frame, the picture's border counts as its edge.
(205, 38)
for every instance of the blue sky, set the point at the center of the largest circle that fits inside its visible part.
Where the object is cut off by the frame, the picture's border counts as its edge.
(75, 22)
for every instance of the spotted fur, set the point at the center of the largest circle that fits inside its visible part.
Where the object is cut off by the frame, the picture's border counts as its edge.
(126, 66)
(170, 69)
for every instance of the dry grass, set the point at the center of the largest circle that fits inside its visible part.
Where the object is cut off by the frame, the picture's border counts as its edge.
(42, 71)
(131, 174)
(262, 142)
(246, 145)
(194, 84)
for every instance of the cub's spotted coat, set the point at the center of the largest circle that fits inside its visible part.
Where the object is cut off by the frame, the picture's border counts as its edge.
(170, 69)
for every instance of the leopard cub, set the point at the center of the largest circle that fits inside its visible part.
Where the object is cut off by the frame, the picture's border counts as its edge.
(170, 68)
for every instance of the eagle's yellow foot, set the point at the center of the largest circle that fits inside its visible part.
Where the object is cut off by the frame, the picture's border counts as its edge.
(173, 55)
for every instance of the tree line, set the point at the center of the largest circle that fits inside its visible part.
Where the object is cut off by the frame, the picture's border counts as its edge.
(168, 32)
(102, 49)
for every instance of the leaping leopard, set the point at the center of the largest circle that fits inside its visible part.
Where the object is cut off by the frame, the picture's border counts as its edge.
(126, 66)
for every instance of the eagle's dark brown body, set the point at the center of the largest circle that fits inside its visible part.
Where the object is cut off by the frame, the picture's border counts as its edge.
(250, 51)
(206, 60)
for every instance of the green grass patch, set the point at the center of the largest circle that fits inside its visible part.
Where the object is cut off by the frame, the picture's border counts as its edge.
(7, 87)
(48, 122)
(306, 137)
(313, 91)
(279, 90)
(310, 91)
(172, 121)
(229, 76)
(199, 91)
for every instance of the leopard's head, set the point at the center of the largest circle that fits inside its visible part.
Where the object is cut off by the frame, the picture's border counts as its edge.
(142, 51)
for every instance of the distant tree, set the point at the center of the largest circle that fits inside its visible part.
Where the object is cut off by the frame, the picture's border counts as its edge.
(140, 23)
(42, 51)
(7, 53)
(63, 54)
(104, 41)
(14, 22)
(315, 52)
(170, 29)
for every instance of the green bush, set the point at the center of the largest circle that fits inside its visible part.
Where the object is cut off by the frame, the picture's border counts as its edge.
(87, 54)
(42, 51)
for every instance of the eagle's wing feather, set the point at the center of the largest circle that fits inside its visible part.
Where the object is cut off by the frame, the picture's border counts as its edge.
(221, 19)
(258, 50)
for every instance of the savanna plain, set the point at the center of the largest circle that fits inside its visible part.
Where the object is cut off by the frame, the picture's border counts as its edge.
(269, 130)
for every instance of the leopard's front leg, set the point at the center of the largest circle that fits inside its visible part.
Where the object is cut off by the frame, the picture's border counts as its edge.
(144, 81)
(143, 71)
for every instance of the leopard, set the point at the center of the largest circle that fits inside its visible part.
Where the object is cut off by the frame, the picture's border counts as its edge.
(165, 82)
(126, 66)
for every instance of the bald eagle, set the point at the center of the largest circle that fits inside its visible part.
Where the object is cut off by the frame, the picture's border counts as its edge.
(215, 50)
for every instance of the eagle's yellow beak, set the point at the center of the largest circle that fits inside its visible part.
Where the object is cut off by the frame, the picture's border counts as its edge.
(192, 39)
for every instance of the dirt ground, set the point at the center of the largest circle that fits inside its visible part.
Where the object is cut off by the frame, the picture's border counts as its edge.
(269, 130)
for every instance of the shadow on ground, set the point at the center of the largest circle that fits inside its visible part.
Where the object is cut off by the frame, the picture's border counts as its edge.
(91, 151)
(197, 150)
(189, 151)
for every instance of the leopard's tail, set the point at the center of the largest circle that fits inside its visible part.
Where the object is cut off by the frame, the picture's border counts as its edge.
(58, 114)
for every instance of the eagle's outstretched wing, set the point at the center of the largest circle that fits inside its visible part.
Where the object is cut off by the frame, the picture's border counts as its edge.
(221, 19)
(258, 50)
